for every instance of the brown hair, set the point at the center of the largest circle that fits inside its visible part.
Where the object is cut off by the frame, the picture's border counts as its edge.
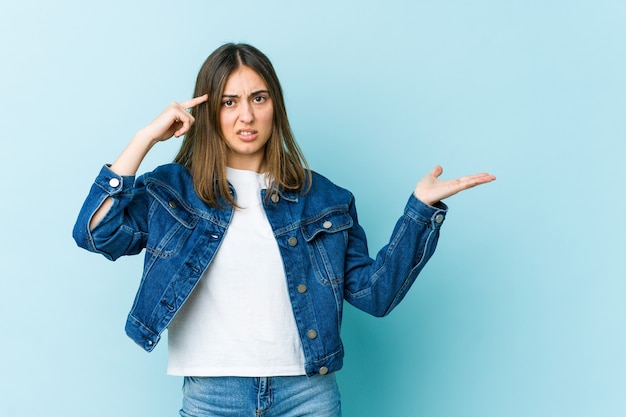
(203, 151)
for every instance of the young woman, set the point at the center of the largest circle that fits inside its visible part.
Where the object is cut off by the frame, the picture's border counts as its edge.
(249, 255)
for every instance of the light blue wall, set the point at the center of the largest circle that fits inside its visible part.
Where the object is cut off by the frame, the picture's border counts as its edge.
(520, 313)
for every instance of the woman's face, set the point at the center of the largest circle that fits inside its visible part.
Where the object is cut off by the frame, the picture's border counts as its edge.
(246, 119)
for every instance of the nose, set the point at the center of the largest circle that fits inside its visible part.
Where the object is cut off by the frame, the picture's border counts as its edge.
(246, 114)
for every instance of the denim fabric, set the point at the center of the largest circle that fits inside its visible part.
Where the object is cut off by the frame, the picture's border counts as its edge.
(323, 247)
(285, 396)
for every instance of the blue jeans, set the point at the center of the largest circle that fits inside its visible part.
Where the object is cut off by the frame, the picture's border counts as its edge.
(285, 396)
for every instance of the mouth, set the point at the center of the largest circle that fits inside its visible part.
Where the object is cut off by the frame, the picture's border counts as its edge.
(247, 134)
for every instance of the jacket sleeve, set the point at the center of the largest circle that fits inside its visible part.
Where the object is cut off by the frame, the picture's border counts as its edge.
(123, 230)
(377, 286)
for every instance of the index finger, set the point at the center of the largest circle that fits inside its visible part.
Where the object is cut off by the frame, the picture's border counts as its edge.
(188, 104)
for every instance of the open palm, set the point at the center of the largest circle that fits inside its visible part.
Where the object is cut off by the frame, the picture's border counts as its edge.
(431, 189)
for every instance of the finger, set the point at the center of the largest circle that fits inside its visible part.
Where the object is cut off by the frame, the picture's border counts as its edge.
(189, 104)
(476, 179)
(185, 120)
(475, 176)
(437, 171)
(482, 177)
(183, 129)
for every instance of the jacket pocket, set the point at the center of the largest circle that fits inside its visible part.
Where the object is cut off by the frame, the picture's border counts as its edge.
(327, 239)
(170, 222)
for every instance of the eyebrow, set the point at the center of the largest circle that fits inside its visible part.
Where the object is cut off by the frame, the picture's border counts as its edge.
(254, 93)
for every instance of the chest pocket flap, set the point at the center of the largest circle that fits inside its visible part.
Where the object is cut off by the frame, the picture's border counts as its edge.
(331, 222)
(173, 204)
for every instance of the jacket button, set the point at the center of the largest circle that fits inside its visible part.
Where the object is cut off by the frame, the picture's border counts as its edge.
(302, 288)
(172, 204)
(327, 224)
(323, 370)
(439, 218)
(293, 241)
(312, 334)
(275, 198)
(114, 182)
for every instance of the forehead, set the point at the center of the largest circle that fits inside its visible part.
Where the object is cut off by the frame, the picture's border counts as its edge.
(244, 79)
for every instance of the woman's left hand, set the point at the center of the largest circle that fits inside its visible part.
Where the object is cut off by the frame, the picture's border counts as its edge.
(431, 189)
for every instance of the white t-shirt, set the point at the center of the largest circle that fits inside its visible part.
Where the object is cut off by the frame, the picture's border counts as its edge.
(238, 321)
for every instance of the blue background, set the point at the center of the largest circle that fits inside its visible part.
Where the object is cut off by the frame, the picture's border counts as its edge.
(520, 313)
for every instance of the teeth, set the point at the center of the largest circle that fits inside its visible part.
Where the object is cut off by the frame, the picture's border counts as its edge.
(245, 133)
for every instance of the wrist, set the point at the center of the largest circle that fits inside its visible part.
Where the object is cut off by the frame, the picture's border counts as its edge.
(144, 138)
(423, 199)
(129, 160)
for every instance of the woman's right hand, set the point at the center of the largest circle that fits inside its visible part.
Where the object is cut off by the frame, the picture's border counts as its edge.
(175, 120)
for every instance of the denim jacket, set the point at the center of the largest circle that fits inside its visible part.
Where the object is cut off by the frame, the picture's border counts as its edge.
(323, 247)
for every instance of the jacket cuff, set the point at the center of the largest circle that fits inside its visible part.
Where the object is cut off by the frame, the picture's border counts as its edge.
(424, 213)
(112, 183)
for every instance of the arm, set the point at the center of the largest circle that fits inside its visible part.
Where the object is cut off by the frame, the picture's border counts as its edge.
(175, 120)
(378, 285)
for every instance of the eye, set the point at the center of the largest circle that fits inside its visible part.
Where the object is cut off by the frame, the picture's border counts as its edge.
(260, 99)
(228, 103)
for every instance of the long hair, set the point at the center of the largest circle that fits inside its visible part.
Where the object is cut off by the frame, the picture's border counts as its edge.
(203, 151)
